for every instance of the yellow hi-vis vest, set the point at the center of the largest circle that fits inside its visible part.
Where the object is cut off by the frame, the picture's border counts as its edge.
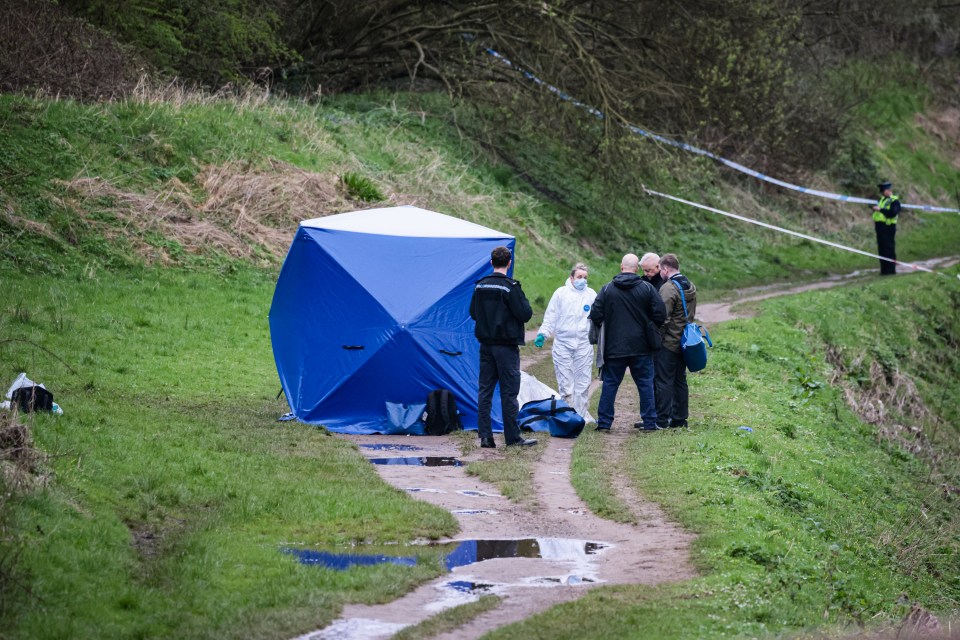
(884, 205)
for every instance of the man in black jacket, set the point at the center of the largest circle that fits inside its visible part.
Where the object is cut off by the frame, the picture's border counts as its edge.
(631, 313)
(499, 308)
(650, 265)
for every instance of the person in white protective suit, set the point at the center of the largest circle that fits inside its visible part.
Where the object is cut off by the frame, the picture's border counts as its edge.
(566, 320)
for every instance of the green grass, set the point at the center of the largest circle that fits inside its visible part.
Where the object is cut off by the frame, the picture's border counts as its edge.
(591, 477)
(814, 517)
(172, 489)
(512, 470)
(407, 149)
(175, 489)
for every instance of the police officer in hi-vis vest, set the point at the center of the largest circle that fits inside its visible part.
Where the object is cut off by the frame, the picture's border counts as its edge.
(885, 214)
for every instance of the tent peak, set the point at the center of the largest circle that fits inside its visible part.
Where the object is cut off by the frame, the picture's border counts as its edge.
(404, 220)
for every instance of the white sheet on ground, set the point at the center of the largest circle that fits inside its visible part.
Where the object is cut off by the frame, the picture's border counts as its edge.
(533, 389)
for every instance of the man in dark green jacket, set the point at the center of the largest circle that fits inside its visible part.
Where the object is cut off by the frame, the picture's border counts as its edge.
(671, 371)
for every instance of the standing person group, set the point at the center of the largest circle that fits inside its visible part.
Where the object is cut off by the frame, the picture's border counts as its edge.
(885, 214)
(641, 320)
(637, 321)
(567, 319)
(628, 311)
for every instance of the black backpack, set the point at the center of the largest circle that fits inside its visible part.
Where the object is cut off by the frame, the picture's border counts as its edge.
(442, 415)
(32, 399)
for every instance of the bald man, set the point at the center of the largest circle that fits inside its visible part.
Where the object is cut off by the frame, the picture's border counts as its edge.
(631, 312)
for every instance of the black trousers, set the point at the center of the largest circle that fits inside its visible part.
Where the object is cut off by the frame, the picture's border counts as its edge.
(886, 246)
(499, 364)
(673, 396)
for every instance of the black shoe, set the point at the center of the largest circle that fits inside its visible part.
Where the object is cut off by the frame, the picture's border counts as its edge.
(523, 442)
(487, 443)
(678, 424)
(603, 429)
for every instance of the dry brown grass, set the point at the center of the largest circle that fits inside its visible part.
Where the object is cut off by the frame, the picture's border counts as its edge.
(945, 126)
(20, 463)
(178, 93)
(245, 213)
(887, 399)
(26, 225)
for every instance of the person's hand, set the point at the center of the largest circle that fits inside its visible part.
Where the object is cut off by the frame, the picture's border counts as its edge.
(539, 341)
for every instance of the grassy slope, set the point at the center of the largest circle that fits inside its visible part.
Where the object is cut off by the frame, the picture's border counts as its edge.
(811, 519)
(173, 487)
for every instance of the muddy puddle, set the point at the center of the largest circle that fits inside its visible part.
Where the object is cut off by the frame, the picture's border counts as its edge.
(463, 553)
(533, 551)
(390, 447)
(420, 461)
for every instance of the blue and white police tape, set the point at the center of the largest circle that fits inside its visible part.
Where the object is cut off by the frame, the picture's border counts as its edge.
(909, 265)
(686, 147)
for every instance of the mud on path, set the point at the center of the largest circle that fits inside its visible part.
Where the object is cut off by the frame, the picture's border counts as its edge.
(652, 551)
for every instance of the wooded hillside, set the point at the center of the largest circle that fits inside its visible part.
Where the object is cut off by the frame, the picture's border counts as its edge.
(772, 83)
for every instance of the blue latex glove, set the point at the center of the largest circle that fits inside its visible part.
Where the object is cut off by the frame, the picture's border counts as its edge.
(539, 341)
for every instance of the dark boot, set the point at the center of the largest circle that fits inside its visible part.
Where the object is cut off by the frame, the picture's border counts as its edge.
(487, 443)
(523, 442)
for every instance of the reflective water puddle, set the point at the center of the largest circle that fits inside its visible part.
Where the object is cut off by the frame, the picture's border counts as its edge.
(569, 580)
(343, 561)
(471, 551)
(478, 494)
(465, 586)
(422, 461)
(466, 552)
(391, 447)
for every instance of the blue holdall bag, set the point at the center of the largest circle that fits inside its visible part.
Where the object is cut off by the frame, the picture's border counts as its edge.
(693, 340)
(553, 415)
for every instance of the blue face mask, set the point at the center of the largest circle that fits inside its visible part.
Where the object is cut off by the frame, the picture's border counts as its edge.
(580, 284)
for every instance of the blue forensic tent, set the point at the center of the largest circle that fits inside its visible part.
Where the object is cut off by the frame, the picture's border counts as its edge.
(373, 307)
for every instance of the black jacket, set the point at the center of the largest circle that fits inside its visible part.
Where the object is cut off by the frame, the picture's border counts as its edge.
(626, 307)
(499, 308)
(656, 280)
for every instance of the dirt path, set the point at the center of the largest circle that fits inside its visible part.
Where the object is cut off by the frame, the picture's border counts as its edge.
(715, 312)
(653, 551)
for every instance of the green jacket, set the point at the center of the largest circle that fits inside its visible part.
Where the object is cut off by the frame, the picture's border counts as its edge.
(672, 329)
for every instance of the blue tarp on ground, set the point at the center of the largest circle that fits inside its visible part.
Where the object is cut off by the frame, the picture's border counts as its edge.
(373, 307)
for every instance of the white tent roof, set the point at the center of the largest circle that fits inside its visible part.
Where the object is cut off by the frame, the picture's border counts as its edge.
(404, 221)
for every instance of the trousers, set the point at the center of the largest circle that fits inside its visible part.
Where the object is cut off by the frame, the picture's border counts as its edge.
(673, 399)
(499, 365)
(641, 370)
(886, 246)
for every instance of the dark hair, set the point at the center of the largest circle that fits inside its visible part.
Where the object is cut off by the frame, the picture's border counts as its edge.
(500, 257)
(670, 260)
